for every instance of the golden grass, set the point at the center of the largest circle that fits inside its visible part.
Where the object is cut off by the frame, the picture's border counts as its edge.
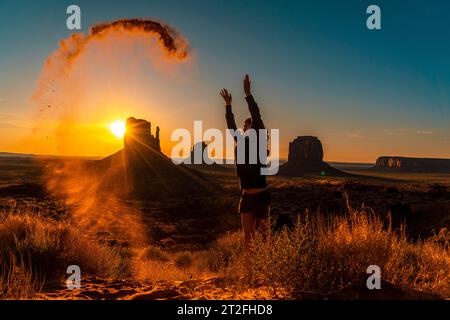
(220, 259)
(35, 249)
(17, 281)
(324, 255)
(319, 255)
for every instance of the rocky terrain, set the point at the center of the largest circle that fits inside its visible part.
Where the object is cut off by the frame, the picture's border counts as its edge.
(201, 289)
(213, 289)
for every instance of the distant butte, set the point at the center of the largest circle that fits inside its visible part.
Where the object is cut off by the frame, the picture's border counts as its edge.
(420, 165)
(306, 158)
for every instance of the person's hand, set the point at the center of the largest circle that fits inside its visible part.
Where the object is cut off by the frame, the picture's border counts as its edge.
(226, 96)
(247, 83)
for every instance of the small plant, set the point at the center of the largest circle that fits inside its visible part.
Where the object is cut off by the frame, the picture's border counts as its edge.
(35, 248)
(183, 260)
(18, 282)
(155, 254)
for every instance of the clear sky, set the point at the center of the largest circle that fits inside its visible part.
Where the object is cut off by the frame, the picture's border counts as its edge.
(316, 70)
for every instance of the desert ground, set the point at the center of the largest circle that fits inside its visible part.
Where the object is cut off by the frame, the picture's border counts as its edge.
(191, 248)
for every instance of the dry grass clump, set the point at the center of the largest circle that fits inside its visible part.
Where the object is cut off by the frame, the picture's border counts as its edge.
(324, 255)
(183, 260)
(153, 253)
(17, 281)
(33, 248)
(318, 256)
(223, 257)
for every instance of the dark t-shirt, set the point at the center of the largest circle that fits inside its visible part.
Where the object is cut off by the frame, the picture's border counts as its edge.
(249, 174)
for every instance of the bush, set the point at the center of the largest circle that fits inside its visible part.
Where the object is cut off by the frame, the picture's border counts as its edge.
(48, 248)
(183, 260)
(154, 254)
(325, 255)
(222, 258)
(17, 281)
(224, 255)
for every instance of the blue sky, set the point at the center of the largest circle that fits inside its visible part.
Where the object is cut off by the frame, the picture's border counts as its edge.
(316, 68)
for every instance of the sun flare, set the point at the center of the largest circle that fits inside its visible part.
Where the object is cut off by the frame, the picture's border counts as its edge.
(118, 128)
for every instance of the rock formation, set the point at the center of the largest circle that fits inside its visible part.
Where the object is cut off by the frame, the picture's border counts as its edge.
(202, 149)
(143, 171)
(306, 148)
(209, 165)
(139, 135)
(404, 164)
(306, 158)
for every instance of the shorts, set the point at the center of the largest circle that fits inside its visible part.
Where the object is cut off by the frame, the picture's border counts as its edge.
(258, 204)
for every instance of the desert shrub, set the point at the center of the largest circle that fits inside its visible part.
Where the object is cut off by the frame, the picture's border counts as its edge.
(155, 264)
(222, 258)
(424, 265)
(319, 255)
(275, 258)
(345, 248)
(154, 270)
(183, 260)
(164, 266)
(49, 247)
(154, 253)
(324, 255)
(17, 281)
(223, 254)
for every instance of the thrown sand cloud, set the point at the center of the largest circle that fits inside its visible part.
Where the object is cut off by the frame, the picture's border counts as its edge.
(72, 47)
(173, 43)
(97, 206)
(58, 66)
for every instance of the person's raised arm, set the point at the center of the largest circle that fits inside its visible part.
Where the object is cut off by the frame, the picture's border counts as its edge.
(257, 122)
(231, 123)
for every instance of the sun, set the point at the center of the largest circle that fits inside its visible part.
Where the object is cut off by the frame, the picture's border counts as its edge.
(118, 128)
